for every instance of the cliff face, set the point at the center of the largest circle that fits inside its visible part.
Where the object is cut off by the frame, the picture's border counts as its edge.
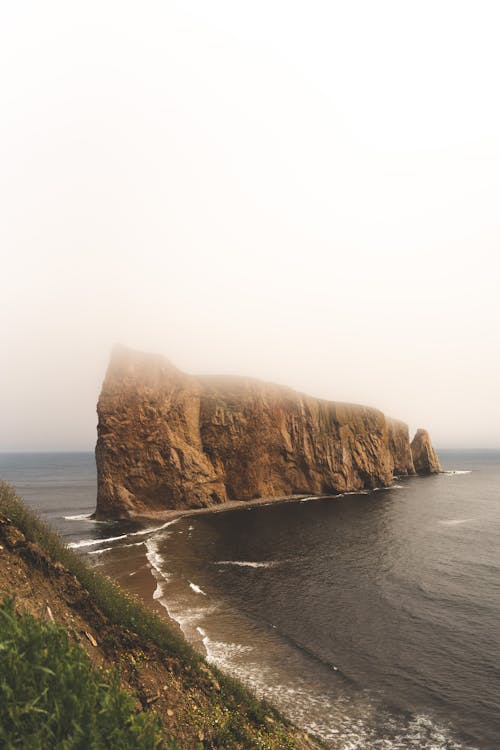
(149, 452)
(169, 440)
(425, 458)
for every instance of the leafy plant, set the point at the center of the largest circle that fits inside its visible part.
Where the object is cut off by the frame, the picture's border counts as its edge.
(244, 725)
(50, 697)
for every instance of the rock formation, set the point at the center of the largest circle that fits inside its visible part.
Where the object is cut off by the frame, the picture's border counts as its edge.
(424, 456)
(398, 438)
(170, 440)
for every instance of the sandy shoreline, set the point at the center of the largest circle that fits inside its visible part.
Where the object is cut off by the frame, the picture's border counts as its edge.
(230, 505)
(135, 572)
(141, 581)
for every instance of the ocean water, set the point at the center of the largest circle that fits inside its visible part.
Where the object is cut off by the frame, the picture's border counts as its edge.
(371, 619)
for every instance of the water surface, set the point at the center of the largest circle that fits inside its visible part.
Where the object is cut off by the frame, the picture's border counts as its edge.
(371, 619)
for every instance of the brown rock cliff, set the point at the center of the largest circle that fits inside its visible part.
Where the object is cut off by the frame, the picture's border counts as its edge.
(169, 440)
(398, 437)
(425, 458)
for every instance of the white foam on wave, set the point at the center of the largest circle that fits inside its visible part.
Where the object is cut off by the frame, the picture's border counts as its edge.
(246, 563)
(340, 720)
(83, 517)
(452, 472)
(456, 521)
(160, 589)
(221, 653)
(154, 558)
(350, 721)
(94, 542)
(99, 551)
(153, 529)
(196, 588)
(191, 615)
(156, 564)
(187, 617)
(142, 532)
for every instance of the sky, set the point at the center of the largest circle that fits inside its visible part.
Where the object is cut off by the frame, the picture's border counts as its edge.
(303, 192)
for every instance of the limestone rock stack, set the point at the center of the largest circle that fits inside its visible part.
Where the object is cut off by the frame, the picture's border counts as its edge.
(171, 440)
(425, 459)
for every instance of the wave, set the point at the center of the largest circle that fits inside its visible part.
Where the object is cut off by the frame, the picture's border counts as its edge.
(313, 710)
(246, 563)
(100, 551)
(157, 566)
(84, 517)
(154, 558)
(153, 529)
(451, 472)
(222, 653)
(142, 532)
(196, 588)
(177, 608)
(353, 721)
(94, 542)
(456, 521)
(187, 617)
(160, 589)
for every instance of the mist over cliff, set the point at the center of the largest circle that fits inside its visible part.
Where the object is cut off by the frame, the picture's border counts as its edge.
(168, 440)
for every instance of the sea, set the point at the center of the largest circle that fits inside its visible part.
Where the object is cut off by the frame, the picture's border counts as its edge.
(371, 619)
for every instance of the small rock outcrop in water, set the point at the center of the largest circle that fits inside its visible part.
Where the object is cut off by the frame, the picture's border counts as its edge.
(171, 440)
(425, 459)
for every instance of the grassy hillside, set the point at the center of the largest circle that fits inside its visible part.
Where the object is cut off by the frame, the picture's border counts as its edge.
(51, 697)
(152, 681)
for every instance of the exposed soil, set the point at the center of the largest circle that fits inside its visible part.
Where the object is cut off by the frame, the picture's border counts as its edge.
(190, 701)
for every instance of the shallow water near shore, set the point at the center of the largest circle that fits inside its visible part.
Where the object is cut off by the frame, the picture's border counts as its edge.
(370, 619)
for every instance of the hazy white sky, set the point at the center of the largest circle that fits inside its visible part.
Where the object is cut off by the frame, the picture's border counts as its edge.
(306, 192)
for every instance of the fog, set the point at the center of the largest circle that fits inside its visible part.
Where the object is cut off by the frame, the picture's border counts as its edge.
(303, 192)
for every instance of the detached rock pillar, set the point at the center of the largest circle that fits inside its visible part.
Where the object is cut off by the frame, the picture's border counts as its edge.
(425, 458)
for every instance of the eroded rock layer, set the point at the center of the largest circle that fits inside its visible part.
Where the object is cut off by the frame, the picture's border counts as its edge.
(170, 440)
(425, 459)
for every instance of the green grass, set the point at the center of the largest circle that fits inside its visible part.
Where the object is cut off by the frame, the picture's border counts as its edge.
(112, 600)
(128, 611)
(50, 697)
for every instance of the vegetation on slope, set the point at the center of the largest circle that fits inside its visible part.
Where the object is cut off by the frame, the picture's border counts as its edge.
(158, 668)
(51, 697)
(114, 602)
